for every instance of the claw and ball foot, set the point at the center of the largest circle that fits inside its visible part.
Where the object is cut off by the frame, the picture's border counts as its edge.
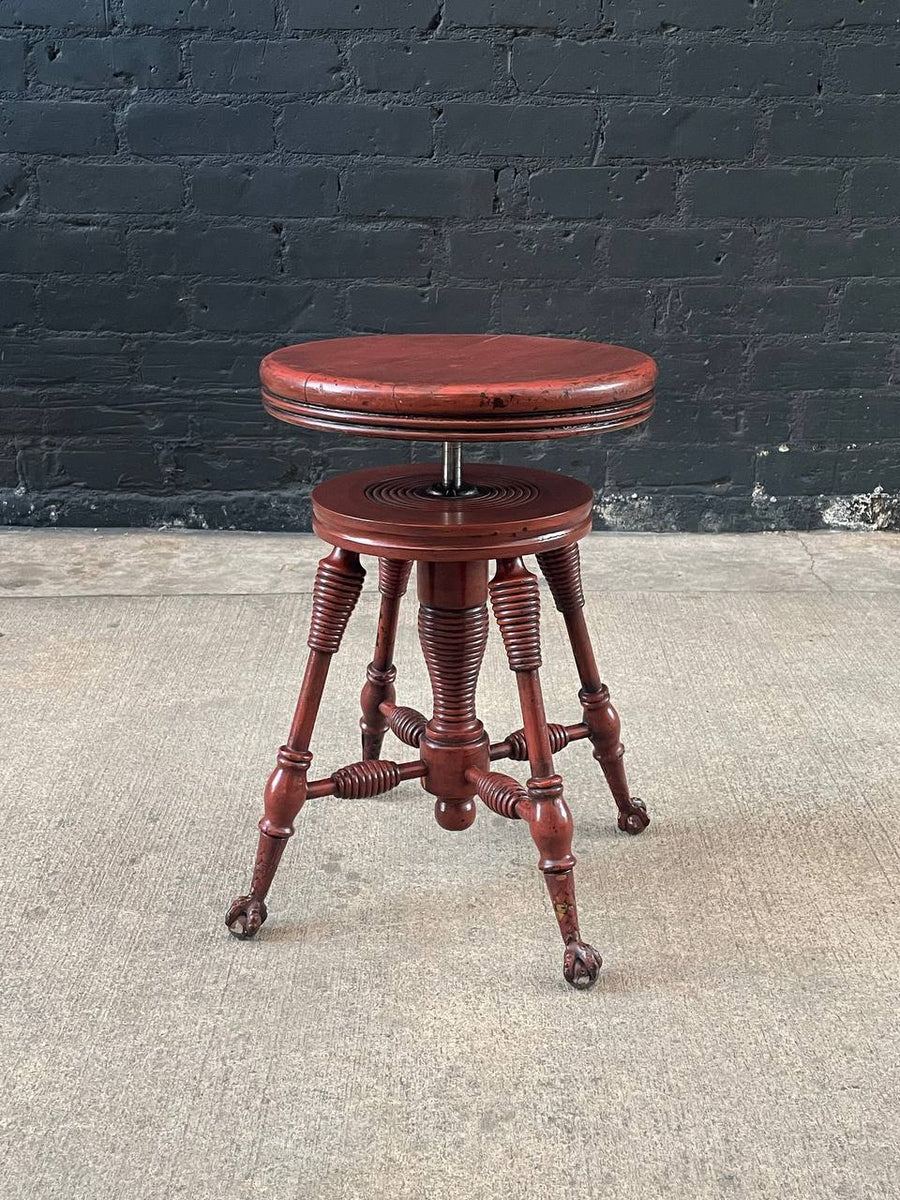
(245, 916)
(581, 965)
(634, 819)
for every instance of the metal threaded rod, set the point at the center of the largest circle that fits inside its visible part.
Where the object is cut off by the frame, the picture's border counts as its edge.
(452, 478)
(451, 486)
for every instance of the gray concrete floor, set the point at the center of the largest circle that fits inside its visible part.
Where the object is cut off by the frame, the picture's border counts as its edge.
(400, 1028)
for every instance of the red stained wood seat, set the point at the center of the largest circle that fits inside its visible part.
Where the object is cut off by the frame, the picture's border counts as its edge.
(459, 387)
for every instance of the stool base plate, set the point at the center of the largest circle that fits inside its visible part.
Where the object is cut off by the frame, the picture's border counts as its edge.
(393, 512)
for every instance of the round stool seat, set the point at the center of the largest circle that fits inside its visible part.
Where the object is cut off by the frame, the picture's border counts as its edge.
(390, 512)
(459, 387)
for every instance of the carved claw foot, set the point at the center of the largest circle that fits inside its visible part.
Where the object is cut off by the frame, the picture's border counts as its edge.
(634, 819)
(245, 916)
(581, 965)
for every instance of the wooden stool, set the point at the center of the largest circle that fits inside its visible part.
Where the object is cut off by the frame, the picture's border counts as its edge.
(450, 522)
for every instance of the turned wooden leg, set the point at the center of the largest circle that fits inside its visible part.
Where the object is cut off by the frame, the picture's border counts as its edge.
(516, 603)
(562, 569)
(393, 576)
(453, 633)
(339, 580)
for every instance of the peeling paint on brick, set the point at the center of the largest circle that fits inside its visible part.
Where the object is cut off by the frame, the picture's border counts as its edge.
(876, 510)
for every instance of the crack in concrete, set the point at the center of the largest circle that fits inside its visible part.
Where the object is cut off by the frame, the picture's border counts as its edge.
(812, 563)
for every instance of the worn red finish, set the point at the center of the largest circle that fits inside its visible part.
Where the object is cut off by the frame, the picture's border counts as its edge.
(562, 569)
(516, 603)
(393, 513)
(338, 584)
(459, 387)
(388, 511)
(381, 674)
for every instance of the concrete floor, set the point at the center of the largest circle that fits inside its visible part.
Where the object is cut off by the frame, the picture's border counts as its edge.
(400, 1028)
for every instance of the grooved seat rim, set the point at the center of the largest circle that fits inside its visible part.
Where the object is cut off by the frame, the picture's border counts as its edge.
(465, 385)
(471, 428)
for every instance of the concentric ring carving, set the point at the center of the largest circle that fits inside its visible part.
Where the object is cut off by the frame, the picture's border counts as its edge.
(386, 511)
(411, 491)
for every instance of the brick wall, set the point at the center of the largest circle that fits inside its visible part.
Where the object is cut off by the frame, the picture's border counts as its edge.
(185, 184)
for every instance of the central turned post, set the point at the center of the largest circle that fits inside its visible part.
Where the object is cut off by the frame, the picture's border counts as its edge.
(453, 625)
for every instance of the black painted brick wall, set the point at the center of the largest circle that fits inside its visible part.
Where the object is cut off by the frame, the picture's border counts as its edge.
(185, 184)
